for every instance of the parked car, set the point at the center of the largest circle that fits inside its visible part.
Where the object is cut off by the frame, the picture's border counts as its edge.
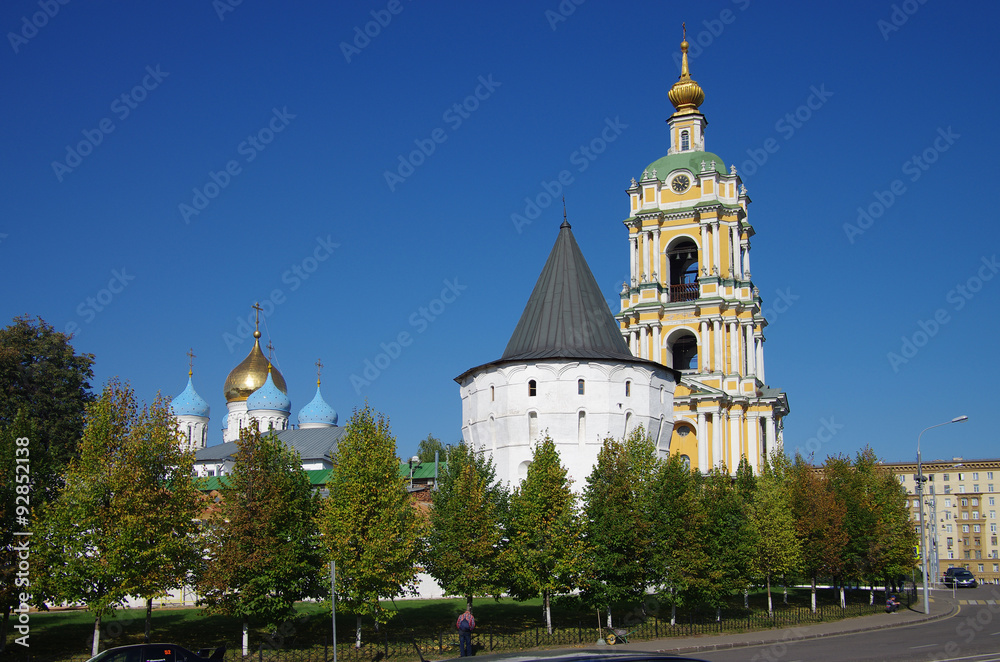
(158, 653)
(959, 577)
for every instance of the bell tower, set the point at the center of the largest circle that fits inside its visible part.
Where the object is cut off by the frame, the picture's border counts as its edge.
(690, 303)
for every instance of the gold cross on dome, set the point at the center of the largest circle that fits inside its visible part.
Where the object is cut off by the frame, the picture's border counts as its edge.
(191, 356)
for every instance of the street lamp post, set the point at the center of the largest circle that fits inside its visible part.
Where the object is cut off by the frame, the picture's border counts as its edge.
(920, 497)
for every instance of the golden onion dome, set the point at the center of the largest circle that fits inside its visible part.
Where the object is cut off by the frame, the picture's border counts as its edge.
(686, 94)
(251, 374)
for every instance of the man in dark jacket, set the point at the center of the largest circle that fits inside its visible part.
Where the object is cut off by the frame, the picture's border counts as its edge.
(465, 625)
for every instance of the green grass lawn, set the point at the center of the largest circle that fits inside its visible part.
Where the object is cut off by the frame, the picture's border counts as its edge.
(65, 635)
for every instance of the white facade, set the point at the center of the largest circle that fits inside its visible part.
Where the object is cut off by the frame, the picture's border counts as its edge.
(503, 415)
(194, 429)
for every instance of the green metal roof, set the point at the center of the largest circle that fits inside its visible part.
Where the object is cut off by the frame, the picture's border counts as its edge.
(689, 160)
(422, 470)
(317, 477)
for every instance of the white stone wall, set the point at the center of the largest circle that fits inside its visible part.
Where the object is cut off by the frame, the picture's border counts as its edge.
(497, 411)
(194, 430)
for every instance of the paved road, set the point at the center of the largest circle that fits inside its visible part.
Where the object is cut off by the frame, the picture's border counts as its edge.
(967, 629)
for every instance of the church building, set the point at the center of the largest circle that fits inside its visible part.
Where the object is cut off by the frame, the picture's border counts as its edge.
(690, 303)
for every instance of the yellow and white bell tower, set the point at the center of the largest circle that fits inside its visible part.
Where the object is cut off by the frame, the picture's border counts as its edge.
(690, 303)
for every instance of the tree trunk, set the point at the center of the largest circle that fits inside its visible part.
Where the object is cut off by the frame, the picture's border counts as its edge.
(357, 634)
(871, 594)
(609, 617)
(770, 606)
(784, 583)
(95, 648)
(746, 599)
(843, 600)
(813, 596)
(548, 612)
(468, 601)
(149, 617)
(246, 636)
(673, 614)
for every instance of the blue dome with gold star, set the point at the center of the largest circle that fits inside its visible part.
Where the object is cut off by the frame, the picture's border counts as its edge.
(189, 403)
(318, 412)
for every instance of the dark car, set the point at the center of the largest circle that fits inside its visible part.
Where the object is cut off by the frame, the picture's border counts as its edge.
(959, 577)
(157, 653)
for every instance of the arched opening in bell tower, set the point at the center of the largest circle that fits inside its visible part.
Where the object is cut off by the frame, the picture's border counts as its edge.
(682, 348)
(682, 259)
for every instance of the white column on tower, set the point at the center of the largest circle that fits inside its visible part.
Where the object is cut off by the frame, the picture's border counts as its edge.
(657, 355)
(734, 351)
(631, 260)
(632, 343)
(703, 259)
(770, 433)
(751, 351)
(743, 260)
(717, 340)
(753, 441)
(657, 256)
(734, 439)
(746, 260)
(760, 359)
(717, 457)
(643, 335)
(734, 252)
(702, 443)
(703, 347)
(716, 248)
(645, 255)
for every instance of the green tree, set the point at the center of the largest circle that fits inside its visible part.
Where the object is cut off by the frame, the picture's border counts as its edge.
(262, 545)
(729, 538)
(15, 481)
(370, 525)
(616, 522)
(466, 533)
(156, 504)
(777, 551)
(41, 373)
(428, 447)
(819, 523)
(545, 553)
(77, 535)
(678, 556)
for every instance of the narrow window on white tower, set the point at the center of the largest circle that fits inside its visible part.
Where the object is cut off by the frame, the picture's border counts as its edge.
(492, 394)
(581, 428)
(532, 388)
(685, 141)
(628, 388)
(532, 425)
(580, 389)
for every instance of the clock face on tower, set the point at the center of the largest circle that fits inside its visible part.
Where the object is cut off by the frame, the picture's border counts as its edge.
(680, 183)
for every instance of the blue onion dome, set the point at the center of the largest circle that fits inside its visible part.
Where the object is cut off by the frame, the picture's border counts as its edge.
(269, 396)
(189, 403)
(225, 421)
(317, 411)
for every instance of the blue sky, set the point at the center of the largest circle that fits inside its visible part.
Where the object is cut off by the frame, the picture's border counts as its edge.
(235, 153)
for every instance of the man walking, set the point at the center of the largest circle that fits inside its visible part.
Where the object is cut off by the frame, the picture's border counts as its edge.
(465, 625)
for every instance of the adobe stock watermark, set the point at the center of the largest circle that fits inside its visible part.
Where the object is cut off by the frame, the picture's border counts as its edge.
(563, 11)
(293, 277)
(249, 148)
(420, 320)
(913, 168)
(713, 30)
(454, 116)
(30, 26)
(582, 157)
(381, 18)
(827, 430)
(786, 127)
(22, 510)
(122, 107)
(898, 16)
(90, 307)
(957, 297)
(223, 7)
(783, 302)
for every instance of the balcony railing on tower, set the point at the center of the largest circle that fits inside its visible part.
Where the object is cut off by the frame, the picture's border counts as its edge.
(684, 292)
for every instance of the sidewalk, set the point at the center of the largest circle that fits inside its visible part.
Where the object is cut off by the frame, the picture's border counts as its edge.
(941, 607)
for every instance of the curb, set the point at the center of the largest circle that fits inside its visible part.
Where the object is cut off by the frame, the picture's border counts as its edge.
(813, 635)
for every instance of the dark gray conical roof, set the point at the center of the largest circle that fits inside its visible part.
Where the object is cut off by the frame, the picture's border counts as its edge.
(566, 316)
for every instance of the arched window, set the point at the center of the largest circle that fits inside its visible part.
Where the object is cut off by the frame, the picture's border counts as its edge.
(580, 388)
(492, 394)
(682, 264)
(532, 425)
(532, 388)
(685, 141)
(684, 353)
(628, 388)
(581, 428)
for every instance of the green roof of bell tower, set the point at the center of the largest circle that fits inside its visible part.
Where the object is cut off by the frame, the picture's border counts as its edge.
(686, 160)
